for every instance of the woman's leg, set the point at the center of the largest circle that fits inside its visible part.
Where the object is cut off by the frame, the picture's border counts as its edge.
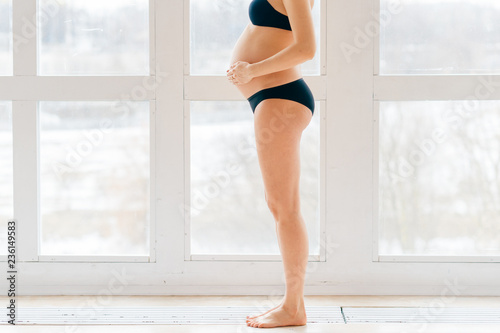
(278, 130)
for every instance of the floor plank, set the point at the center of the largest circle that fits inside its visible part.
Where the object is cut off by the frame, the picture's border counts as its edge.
(263, 303)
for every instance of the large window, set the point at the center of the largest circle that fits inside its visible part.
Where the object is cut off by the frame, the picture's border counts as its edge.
(228, 212)
(440, 37)
(93, 37)
(211, 44)
(126, 156)
(438, 142)
(94, 171)
(440, 178)
(76, 141)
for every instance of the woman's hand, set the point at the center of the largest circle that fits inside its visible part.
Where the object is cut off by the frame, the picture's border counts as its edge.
(239, 73)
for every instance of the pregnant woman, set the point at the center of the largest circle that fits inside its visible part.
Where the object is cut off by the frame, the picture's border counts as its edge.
(265, 67)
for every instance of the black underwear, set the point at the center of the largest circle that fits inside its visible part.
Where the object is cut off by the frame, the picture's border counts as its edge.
(297, 91)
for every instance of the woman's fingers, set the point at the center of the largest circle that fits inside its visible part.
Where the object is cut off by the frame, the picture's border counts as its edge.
(233, 79)
(233, 65)
(231, 76)
(231, 73)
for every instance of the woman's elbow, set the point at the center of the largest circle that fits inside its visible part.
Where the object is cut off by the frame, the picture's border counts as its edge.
(311, 52)
(307, 51)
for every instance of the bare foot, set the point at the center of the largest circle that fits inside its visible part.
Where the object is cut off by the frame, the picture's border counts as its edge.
(252, 317)
(281, 316)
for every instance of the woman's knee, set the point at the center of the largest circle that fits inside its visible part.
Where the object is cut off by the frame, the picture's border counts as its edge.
(283, 208)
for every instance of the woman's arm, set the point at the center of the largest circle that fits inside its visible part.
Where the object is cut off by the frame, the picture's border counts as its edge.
(302, 49)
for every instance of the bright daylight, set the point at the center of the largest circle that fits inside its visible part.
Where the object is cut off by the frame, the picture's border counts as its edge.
(237, 165)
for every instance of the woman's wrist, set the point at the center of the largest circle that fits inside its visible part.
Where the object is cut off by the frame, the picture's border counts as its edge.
(253, 70)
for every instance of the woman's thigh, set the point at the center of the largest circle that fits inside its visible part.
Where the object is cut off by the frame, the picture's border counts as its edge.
(278, 129)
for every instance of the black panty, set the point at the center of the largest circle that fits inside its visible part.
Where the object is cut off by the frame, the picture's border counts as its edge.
(297, 91)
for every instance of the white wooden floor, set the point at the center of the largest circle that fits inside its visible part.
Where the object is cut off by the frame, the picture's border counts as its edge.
(261, 302)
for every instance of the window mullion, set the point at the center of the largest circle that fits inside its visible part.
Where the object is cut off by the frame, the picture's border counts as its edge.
(436, 87)
(376, 38)
(77, 88)
(25, 132)
(152, 38)
(26, 183)
(24, 37)
(169, 120)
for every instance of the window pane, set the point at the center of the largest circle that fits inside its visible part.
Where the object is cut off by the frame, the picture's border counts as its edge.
(439, 179)
(6, 37)
(94, 186)
(229, 214)
(93, 37)
(215, 28)
(440, 37)
(6, 168)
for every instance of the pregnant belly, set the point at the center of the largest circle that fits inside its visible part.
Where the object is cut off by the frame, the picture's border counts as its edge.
(259, 43)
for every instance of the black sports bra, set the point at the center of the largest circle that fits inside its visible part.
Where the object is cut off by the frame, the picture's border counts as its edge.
(263, 14)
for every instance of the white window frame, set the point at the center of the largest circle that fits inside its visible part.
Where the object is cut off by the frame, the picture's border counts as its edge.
(195, 89)
(420, 88)
(348, 93)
